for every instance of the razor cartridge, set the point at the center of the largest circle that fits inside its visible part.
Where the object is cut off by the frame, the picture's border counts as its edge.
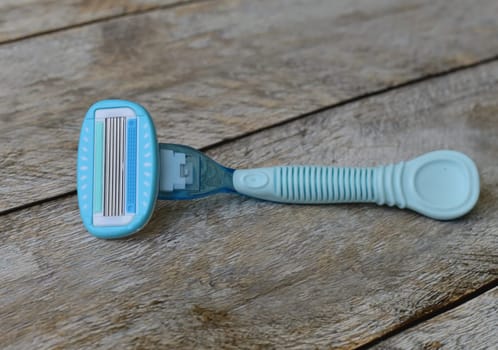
(117, 168)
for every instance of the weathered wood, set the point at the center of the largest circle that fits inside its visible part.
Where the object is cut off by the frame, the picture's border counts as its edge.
(472, 325)
(231, 272)
(217, 70)
(20, 19)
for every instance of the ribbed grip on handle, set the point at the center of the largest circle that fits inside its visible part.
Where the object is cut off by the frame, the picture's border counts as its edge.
(389, 185)
(308, 184)
(441, 184)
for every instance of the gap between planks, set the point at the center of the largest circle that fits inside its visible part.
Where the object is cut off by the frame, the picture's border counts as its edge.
(99, 20)
(426, 315)
(354, 99)
(469, 326)
(358, 98)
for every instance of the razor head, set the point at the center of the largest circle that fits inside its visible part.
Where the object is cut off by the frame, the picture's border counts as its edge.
(117, 171)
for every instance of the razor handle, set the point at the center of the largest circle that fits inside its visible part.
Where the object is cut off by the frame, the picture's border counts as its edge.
(441, 184)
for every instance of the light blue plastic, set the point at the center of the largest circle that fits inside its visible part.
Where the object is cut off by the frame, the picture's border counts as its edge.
(146, 171)
(442, 185)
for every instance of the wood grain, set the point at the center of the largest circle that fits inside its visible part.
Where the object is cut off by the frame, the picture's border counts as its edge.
(230, 272)
(217, 70)
(470, 326)
(20, 19)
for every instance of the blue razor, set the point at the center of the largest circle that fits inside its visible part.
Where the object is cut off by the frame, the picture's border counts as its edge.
(122, 170)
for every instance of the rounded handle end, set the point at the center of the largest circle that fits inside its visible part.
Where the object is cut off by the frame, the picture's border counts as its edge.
(443, 185)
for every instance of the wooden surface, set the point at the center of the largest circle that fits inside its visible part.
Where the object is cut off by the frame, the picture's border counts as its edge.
(228, 272)
(470, 326)
(25, 18)
(234, 272)
(217, 70)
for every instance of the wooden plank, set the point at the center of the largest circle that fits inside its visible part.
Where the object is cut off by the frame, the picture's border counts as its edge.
(21, 19)
(217, 70)
(232, 272)
(469, 326)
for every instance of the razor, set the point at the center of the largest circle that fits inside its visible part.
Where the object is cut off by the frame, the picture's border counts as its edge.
(122, 170)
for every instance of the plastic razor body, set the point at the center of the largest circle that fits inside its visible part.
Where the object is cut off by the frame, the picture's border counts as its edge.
(442, 184)
(117, 168)
(122, 171)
